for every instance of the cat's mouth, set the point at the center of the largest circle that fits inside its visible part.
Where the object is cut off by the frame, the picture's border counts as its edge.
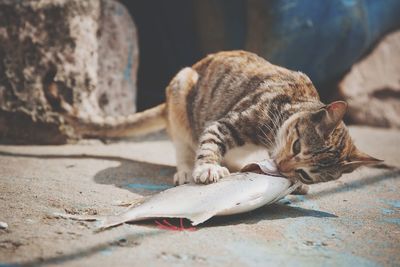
(267, 167)
(263, 167)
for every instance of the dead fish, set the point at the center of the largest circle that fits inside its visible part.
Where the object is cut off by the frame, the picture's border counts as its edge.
(237, 193)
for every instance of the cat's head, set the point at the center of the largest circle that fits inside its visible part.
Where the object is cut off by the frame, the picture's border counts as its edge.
(315, 146)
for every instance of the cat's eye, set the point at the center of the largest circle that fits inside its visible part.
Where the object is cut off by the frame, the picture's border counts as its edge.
(296, 147)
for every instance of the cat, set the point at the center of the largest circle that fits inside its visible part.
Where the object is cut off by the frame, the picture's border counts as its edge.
(234, 103)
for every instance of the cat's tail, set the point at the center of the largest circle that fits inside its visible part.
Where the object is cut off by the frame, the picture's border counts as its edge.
(140, 123)
(95, 126)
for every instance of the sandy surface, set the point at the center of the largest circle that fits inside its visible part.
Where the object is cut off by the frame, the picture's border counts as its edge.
(350, 222)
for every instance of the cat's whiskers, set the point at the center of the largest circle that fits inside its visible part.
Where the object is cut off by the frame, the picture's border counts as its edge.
(265, 138)
(278, 120)
(260, 127)
(273, 131)
(274, 123)
(263, 142)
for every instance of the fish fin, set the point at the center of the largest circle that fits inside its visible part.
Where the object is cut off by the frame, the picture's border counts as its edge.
(124, 216)
(286, 192)
(291, 189)
(200, 218)
(114, 220)
(110, 221)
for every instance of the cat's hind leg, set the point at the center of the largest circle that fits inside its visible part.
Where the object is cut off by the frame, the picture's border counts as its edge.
(184, 163)
(178, 125)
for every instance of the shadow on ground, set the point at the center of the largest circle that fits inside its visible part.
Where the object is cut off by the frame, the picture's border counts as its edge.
(128, 240)
(138, 177)
(141, 178)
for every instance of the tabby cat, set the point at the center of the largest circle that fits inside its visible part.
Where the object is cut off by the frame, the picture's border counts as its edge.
(232, 104)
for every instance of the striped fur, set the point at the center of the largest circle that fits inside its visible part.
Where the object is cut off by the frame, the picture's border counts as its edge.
(231, 99)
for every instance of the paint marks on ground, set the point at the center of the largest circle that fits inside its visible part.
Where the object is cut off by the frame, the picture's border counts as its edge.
(314, 240)
(106, 252)
(392, 220)
(148, 187)
(387, 211)
(258, 253)
(394, 210)
(392, 203)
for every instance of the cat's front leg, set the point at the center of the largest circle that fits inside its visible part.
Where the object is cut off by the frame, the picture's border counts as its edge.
(213, 145)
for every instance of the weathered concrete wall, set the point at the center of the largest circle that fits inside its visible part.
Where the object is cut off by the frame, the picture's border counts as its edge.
(372, 87)
(84, 52)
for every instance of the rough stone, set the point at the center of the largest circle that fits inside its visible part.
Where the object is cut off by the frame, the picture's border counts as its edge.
(3, 225)
(372, 87)
(86, 51)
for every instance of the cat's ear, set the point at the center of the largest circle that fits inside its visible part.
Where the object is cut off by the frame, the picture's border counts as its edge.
(357, 159)
(328, 118)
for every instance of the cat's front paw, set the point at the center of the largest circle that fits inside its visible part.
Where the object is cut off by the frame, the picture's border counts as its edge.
(182, 177)
(209, 173)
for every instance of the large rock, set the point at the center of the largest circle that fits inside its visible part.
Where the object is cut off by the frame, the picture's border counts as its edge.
(86, 51)
(372, 87)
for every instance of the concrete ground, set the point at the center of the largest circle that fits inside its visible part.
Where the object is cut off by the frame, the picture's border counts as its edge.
(351, 222)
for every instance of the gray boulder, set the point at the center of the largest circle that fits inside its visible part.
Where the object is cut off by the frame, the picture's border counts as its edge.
(372, 87)
(84, 52)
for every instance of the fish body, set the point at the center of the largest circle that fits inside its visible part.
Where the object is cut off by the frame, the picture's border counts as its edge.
(257, 185)
(238, 193)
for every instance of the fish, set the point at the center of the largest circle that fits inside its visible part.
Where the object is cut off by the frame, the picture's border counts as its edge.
(238, 193)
